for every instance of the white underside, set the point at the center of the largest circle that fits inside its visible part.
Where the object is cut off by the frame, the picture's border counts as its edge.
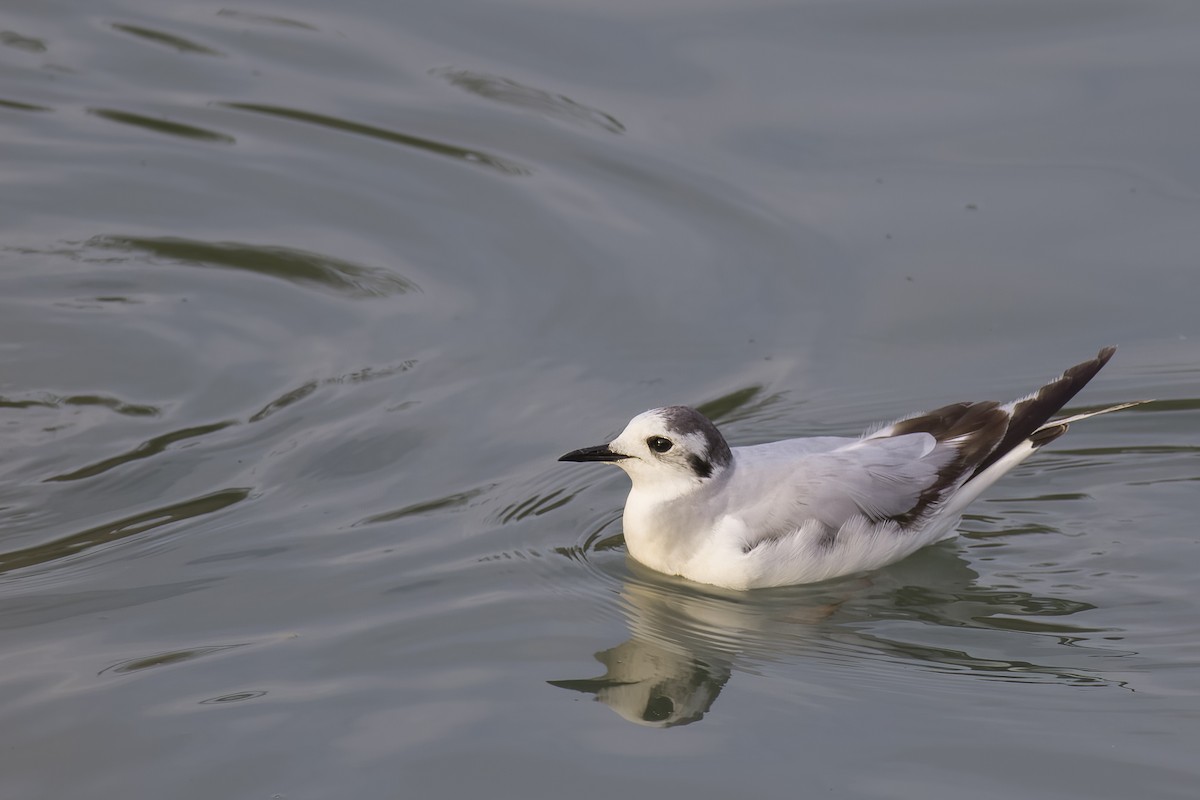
(801, 556)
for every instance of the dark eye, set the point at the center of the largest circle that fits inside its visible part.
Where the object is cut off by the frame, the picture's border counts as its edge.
(658, 444)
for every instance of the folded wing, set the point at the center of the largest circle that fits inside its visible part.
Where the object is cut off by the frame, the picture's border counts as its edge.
(905, 471)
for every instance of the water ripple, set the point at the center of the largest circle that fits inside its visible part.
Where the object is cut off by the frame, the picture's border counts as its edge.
(15, 40)
(148, 448)
(108, 532)
(163, 126)
(301, 392)
(174, 41)
(18, 106)
(509, 92)
(265, 19)
(286, 263)
(234, 697)
(54, 401)
(166, 658)
(383, 134)
(451, 502)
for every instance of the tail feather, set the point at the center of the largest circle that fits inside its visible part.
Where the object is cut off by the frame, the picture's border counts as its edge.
(1030, 414)
(1096, 413)
(988, 439)
(1023, 450)
(1057, 427)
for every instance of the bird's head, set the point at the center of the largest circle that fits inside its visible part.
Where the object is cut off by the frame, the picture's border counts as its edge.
(674, 449)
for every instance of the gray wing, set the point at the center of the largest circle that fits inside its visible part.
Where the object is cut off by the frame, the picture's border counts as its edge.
(876, 478)
(836, 479)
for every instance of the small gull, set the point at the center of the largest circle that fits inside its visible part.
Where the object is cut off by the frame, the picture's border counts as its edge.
(804, 510)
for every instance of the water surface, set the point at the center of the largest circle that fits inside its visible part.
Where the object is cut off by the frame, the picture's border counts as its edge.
(299, 303)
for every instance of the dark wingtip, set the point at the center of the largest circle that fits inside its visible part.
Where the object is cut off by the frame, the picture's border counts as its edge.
(1031, 413)
(975, 427)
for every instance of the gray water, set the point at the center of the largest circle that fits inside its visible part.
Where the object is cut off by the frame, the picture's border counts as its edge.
(299, 302)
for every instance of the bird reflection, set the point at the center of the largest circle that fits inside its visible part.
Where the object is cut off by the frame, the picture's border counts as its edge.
(686, 641)
(651, 685)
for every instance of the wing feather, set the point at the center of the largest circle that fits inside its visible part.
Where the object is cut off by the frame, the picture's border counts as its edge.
(877, 479)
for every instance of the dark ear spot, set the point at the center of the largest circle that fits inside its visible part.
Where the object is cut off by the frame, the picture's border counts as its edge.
(700, 466)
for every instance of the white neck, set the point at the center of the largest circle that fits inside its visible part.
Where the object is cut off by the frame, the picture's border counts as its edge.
(663, 517)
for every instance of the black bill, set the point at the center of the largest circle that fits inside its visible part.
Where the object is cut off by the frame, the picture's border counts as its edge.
(598, 453)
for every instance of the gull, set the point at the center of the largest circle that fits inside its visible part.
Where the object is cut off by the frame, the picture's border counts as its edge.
(805, 510)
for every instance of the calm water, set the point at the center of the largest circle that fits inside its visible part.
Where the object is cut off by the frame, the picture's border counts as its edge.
(299, 302)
